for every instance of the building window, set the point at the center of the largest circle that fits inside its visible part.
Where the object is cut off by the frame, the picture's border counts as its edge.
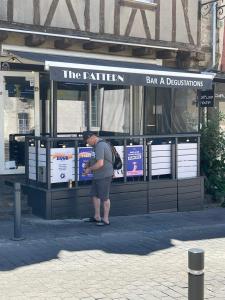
(23, 123)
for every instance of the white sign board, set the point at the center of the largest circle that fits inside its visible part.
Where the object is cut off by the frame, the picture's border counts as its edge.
(32, 163)
(187, 160)
(62, 165)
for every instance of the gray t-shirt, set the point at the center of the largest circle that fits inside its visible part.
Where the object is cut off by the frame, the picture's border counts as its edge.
(103, 151)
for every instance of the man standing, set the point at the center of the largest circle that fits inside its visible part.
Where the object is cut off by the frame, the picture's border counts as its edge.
(102, 169)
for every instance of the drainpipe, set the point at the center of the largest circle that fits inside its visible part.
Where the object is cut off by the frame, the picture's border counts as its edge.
(205, 116)
(213, 64)
(214, 15)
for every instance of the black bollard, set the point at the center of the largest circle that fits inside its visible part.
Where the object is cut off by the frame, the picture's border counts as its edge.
(195, 274)
(17, 213)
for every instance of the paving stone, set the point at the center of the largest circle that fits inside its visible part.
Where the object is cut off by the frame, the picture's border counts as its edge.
(141, 257)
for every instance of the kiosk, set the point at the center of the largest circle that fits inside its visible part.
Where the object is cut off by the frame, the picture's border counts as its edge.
(148, 112)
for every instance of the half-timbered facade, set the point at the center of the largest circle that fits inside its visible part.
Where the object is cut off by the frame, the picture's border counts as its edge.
(108, 25)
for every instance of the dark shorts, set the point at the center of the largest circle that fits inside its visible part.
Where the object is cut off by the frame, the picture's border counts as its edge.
(101, 188)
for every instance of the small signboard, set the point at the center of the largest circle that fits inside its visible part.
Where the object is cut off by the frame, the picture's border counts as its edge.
(206, 98)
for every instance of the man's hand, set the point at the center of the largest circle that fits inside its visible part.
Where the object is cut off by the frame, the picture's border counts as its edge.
(87, 171)
(98, 165)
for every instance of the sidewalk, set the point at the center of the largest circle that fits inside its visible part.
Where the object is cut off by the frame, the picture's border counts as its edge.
(140, 257)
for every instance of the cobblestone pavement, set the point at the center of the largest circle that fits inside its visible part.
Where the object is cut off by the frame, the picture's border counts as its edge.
(141, 257)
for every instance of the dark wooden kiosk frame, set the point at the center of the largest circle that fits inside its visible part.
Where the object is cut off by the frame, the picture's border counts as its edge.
(140, 195)
(153, 190)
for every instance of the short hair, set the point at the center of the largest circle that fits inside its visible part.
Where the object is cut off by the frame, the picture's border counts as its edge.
(87, 135)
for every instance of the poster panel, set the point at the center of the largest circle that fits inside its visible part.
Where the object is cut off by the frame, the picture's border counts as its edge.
(62, 164)
(119, 173)
(135, 160)
(84, 155)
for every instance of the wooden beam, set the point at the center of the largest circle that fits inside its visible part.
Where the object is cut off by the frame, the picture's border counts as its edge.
(92, 46)
(117, 18)
(10, 10)
(36, 12)
(3, 36)
(144, 52)
(181, 59)
(63, 43)
(166, 54)
(186, 59)
(33, 40)
(87, 15)
(191, 55)
(138, 5)
(117, 48)
(200, 56)
(187, 21)
(197, 55)
(183, 64)
(183, 55)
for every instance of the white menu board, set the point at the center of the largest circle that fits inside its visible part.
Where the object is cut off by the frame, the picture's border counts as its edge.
(62, 164)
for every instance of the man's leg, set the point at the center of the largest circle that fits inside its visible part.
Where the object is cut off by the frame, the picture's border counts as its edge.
(107, 204)
(96, 200)
(106, 210)
(97, 203)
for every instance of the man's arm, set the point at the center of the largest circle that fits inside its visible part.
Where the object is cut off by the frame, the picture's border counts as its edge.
(98, 165)
(99, 156)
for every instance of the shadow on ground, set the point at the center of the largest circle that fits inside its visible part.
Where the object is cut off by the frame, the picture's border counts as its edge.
(136, 235)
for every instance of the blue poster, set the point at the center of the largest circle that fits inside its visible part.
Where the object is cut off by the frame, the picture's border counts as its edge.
(135, 160)
(84, 155)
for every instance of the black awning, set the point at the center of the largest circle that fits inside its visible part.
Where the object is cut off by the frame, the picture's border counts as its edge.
(106, 71)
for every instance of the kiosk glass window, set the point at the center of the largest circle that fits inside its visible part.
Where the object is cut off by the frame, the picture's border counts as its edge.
(138, 110)
(185, 111)
(169, 111)
(219, 104)
(157, 111)
(72, 101)
(110, 109)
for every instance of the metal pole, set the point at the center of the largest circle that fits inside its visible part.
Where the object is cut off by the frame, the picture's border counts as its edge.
(89, 107)
(125, 160)
(17, 212)
(195, 274)
(54, 109)
(51, 110)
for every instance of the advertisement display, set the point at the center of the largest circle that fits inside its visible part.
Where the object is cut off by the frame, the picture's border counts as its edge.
(62, 164)
(119, 173)
(84, 155)
(135, 160)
